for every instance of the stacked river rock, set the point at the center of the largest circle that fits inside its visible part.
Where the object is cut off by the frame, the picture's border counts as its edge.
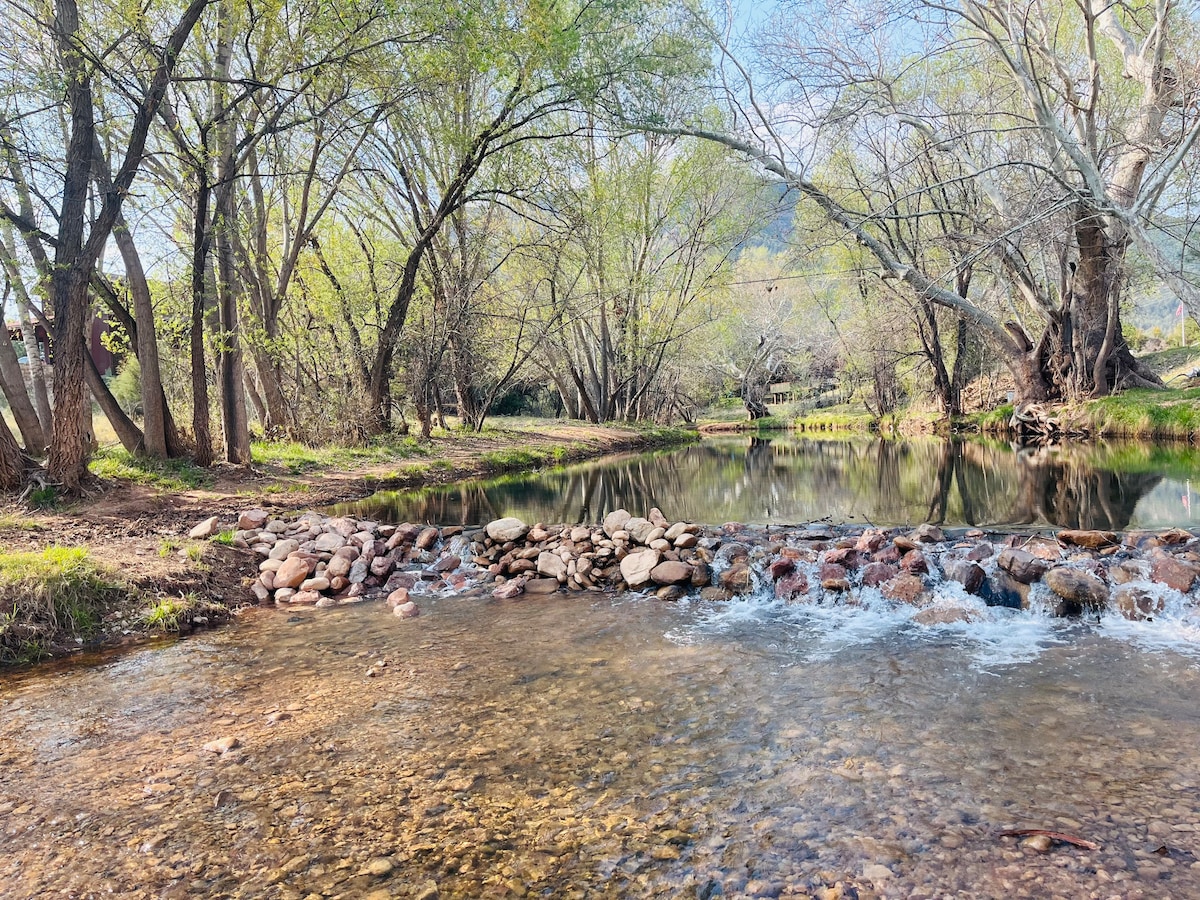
(328, 561)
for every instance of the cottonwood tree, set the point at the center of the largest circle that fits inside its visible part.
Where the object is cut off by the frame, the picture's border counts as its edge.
(528, 71)
(1072, 121)
(646, 231)
(79, 231)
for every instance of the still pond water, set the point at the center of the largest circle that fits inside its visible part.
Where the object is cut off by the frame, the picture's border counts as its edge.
(789, 480)
(618, 746)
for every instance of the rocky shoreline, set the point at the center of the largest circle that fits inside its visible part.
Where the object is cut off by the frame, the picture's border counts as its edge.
(323, 561)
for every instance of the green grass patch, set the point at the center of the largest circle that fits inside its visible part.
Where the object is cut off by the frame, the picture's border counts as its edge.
(59, 591)
(168, 474)
(297, 458)
(823, 420)
(516, 458)
(1142, 413)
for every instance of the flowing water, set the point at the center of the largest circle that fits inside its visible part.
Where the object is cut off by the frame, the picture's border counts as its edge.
(593, 746)
(605, 746)
(787, 479)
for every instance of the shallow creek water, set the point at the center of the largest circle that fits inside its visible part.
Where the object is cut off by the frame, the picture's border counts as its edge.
(592, 746)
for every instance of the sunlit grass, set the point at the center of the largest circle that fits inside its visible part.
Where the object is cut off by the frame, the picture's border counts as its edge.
(60, 589)
(297, 458)
(167, 474)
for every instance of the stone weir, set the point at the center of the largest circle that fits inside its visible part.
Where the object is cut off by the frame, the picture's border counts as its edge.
(328, 561)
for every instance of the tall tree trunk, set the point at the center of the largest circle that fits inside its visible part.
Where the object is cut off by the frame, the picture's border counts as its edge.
(13, 383)
(201, 240)
(234, 420)
(12, 463)
(154, 408)
(37, 367)
(127, 432)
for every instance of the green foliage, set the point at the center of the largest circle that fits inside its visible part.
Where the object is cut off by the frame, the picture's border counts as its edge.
(297, 458)
(224, 536)
(165, 614)
(1143, 413)
(43, 498)
(59, 590)
(165, 474)
(126, 387)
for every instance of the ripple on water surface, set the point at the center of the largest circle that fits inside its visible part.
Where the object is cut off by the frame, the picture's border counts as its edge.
(605, 747)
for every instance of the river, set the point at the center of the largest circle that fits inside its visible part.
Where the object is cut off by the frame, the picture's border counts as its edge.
(606, 746)
(784, 479)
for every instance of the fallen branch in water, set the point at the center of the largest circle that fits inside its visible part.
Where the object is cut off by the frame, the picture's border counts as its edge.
(1053, 835)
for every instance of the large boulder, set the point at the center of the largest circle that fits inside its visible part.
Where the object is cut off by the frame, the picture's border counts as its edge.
(1092, 540)
(1022, 566)
(551, 565)
(671, 572)
(1136, 603)
(966, 573)
(1173, 573)
(205, 529)
(637, 566)
(292, 572)
(508, 529)
(616, 521)
(640, 529)
(1080, 590)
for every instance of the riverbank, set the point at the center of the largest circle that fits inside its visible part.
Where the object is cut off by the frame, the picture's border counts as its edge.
(146, 577)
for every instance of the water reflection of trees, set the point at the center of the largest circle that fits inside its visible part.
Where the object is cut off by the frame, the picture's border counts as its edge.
(789, 479)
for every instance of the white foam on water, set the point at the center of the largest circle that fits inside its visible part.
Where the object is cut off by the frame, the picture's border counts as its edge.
(1175, 628)
(991, 637)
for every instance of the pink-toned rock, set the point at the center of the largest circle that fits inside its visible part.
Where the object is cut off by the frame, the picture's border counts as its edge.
(284, 595)
(966, 573)
(981, 551)
(1174, 536)
(1093, 540)
(252, 519)
(1022, 565)
(791, 586)
(914, 562)
(846, 557)
(400, 595)
(205, 529)
(834, 577)
(340, 583)
(408, 610)
(944, 615)
(1136, 603)
(671, 572)
(315, 584)
(927, 534)
(737, 579)
(890, 554)
(1173, 573)
(780, 567)
(876, 573)
(427, 538)
(686, 541)
(542, 586)
(292, 572)
(305, 597)
(510, 589)
(906, 588)
(869, 541)
(447, 564)
(1079, 589)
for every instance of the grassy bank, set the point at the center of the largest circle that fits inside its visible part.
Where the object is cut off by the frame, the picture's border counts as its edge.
(117, 567)
(50, 597)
